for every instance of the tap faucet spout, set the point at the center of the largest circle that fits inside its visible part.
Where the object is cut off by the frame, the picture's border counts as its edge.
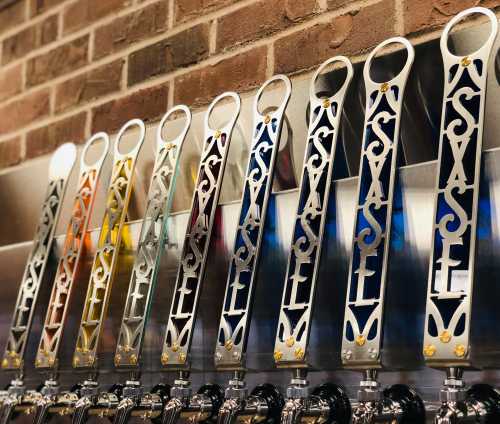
(172, 410)
(81, 410)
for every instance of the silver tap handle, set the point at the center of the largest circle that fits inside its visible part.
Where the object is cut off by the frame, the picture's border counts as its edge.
(7, 409)
(172, 411)
(82, 407)
(227, 412)
(290, 412)
(123, 410)
(42, 409)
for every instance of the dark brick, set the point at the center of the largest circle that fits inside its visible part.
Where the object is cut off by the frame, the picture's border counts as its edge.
(239, 73)
(131, 28)
(58, 61)
(40, 6)
(189, 9)
(10, 152)
(24, 111)
(147, 104)
(185, 48)
(12, 15)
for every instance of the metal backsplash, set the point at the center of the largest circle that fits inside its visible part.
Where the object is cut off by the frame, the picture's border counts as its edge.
(21, 195)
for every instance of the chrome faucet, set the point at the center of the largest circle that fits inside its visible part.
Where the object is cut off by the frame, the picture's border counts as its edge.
(263, 404)
(326, 403)
(202, 406)
(480, 404)
(397, 404)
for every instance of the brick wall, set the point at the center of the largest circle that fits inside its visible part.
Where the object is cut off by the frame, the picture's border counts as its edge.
(73, 67)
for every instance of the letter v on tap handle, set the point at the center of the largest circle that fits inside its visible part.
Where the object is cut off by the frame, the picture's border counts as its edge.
(235, 320)
(72, 254)
(451, 267)
(61, 164)
(108, 248)
(181, 319)
(151, 242)
(303, 262)
(364, 310)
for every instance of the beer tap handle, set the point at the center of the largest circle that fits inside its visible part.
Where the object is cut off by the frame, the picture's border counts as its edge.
(123, 410)
(61, 164)
(81, 409)
(7, 409)
(172, 411)
(42, 409)
(228, 411)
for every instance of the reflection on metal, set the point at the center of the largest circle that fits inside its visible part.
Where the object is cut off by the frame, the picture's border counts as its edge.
(234, 322)
(182, 314)
(362, 340)
(69, 262)
(303, 261)
(60, 167)
(451, 269)
(151, 241)
(108, 246)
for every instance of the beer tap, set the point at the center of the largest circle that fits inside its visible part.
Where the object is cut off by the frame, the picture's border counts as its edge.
(362, 342)
(327, 402)
(144, 275)
(79, 401)
(264, 402)
(447, 332)
(17, 398)
(69, 262)
(183, 310)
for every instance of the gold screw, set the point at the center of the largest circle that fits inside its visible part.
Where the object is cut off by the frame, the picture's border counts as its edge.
(38, 362)
(133, 359)
(17, 363)
(5, 363)
(175, 347)
(217, 134)
(76, 361)
(267, 119)
(429, 350)
(445, 336)
(127, 348)
(170, 146)
(299, 353)
(118, 359)
(278, 355)
(12, 354)
(460, 350)
(51, 362)
(90, 360)
(290, 341)
(164, 358)
(182, 357)
(384, 87)
(229, 344)
(465, 61)
(360, 340)
(326, 103)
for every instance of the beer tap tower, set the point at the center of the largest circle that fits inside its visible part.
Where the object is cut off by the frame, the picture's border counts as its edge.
(362, 342)
(183, 310)
(327, 402)
(264, 402)
(447, 333)
(17, 396)
(67, 269)
(151, 244)
(78, 401)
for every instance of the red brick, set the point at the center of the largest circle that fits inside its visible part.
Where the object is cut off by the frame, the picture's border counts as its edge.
(347, 34)
(147, 104)
(11, 81)
(24, 111)
(420, 15)
(46, 139)
(12, 15)
(259, 20)
(10, 152)
(58, 61)
(84, 12)
(336, 4)
(188, 9)
(90, 85)
(242, 72)
(131, 28)
(40, 6)
(29, 39)
(182, 49)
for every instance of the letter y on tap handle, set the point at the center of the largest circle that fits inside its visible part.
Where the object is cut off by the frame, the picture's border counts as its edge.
(108, 247)
(235, 319)
(305, 254)
(72, 254)
(60, 168)
(363, 322)
(181, 320)
(151, 242)
(451, 267)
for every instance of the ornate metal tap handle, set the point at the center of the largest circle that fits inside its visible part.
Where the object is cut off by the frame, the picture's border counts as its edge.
(151, 242)
(108, 247)
(181, 320)
(60, 168)
(76, 234)
(362, 337)
(451, 268)
(235, 318)
(298, 295)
